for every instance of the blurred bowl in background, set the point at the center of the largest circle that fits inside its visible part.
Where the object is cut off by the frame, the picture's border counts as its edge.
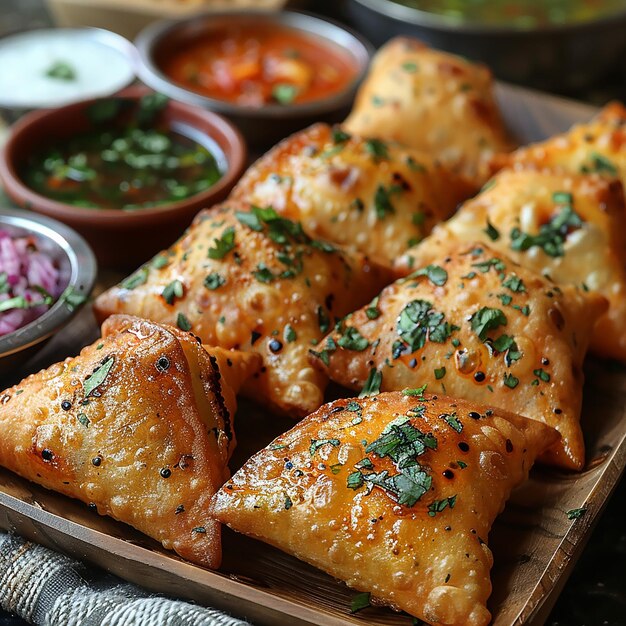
(561, 57)
(121, 239)
(128, 17)
(54, 67)
(77, 268)
(261, 125)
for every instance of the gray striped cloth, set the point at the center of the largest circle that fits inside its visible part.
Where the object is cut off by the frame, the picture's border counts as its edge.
(49, 589)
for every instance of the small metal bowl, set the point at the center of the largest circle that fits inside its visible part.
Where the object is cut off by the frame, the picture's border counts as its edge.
(565, 57)
(77, 266)
(262, 126)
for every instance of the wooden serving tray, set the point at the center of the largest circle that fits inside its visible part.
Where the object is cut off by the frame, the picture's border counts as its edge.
(534, 543)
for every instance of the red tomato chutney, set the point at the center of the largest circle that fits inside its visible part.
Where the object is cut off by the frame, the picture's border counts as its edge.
(256, 65)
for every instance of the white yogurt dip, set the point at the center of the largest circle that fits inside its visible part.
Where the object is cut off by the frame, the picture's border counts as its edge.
(99, 64)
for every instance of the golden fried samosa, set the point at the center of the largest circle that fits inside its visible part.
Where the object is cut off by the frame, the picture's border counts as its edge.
(394, 494)
(598, 146)
(569, 228)
(432, 101)
(136, 425)
(246, 278)
(475, 325)
(376, 197)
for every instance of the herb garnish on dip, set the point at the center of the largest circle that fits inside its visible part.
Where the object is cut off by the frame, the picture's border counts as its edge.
(130, 160)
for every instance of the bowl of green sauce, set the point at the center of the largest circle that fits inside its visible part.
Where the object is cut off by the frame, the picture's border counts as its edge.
(128, 172)
(557, 45)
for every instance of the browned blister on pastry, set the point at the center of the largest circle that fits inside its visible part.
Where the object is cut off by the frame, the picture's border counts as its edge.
(374, 196)
(136, 425)
(253, 281)
(570, 228)
(475, 325)
(432, 101)
(598, 146)
(394, 494)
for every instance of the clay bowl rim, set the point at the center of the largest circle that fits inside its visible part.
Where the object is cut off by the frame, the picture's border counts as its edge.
(227, 137)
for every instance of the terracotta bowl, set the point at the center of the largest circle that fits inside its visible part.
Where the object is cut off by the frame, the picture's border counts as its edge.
(120, 239)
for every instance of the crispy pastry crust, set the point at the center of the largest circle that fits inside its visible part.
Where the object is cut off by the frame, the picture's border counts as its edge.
(434, 102)
(475, 325)
(378, 198)
(262, 295)
(595, 147)
(430, 558)
(593, 251)
(136, 425)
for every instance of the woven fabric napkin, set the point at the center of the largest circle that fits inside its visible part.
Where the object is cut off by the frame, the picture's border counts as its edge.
(49, 589)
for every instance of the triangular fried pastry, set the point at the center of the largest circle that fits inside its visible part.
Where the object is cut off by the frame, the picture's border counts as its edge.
(136, 425)
(475, 325)
(432, 101)
(394, 494)
(598, 146)
(233, 369)
(374, 196)
(246, 278)
(570, 228)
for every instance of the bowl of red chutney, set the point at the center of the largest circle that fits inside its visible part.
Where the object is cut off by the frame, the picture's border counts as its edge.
(271, 73)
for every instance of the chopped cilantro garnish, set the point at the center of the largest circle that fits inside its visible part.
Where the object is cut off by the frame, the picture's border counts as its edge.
(159, 261)
(435, 273)
(83, 419)
(223, 245)
(514, 283)
(372, 311)
(322, 319)
(409, 67)
(289, 334)
(439, 505)
(355, 480)
(172, 291)
(340, 136)
(551, 236)
(576, 513)
(316, 444)
(417, 392)
(288, 503)
(491, 231)
(461, 464)
(511, 381)
(440, 372)
(284, 93)
(214, 281)
(263, 274)
(351, 339)
(542, 375)
(359, 602)
(452, 420)
(419, 322)
(382, 202)
(487, 319)
(600, 164)
(372, 384)
(99, 375)
(182, 321)
(485, 266)
(377, 148)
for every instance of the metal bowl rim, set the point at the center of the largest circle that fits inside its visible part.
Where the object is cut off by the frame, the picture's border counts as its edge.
(426, 19)
(83, 270)
(150, 73)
